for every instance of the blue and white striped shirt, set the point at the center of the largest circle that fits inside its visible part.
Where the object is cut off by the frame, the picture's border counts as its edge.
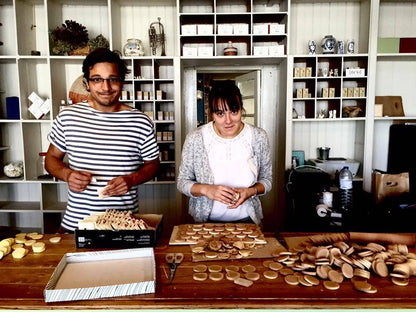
(107, 145)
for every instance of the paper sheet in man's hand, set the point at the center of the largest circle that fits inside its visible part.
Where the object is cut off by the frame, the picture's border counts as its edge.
(100, 191)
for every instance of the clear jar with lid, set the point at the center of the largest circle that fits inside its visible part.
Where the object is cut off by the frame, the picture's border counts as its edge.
(41, 166)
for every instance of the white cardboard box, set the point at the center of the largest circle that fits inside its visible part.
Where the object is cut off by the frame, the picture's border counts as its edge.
(277, 29)
(189, 30)
(240, 29)
(225, 29)
(205, 29)
(205, 51)
(189, 51)
(355, 72)
(102, 274)
(260, 51)
(276, 50)
(260, 29)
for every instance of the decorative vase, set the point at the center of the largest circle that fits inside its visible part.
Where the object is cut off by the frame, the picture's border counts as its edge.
(133, 47)
(340, 47)
(350, 46)
(312, 47)
(328, 44)
(230, 50)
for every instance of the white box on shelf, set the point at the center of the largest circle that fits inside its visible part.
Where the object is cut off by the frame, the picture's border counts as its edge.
(189, 51)
(355, 72)
(189, 30)
(205, 51)
(225, 29)
(260, 29)
(240, 29)
(277, 29)
(205, 29)
(260, 51)
(277, 50)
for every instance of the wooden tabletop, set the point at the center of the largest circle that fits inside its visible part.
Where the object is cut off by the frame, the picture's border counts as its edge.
(22, 282)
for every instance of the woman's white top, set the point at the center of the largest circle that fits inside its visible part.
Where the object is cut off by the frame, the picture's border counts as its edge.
(232, 165)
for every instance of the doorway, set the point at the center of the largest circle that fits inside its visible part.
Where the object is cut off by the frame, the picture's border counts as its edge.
(249, 84)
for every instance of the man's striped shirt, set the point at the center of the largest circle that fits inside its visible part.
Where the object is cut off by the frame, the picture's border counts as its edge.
(107, 145)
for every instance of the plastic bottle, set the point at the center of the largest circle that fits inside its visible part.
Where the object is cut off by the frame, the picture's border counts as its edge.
(345, 190)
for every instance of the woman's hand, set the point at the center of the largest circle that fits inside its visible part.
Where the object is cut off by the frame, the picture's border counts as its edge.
(221, 193)
(242, 194)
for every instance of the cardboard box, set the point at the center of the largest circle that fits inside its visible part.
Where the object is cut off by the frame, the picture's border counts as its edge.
(302, 72)
(240, 29)
(189, 51)
(407, 45)
(260, 51)
(205, 51)
(205, 29)
(296, 72)
(325, 92)
(160, 95)
(12, 107)
(277, 50)
(356, 92)
(305, 92)
(276, 29)
(350, 92)
(331, 92)
(355, 72)
(388, 45)
(102, 274)
(362, 91)
(139, 95)
(122, 238)
(344, 92)
(378, 110)
(299, 93)
(189, 30)
(308, 72)
(260, 29)
(392, 105)
(224, 29)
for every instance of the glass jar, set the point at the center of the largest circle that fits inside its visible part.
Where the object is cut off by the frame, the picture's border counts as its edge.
(133, 47)
(230, 50)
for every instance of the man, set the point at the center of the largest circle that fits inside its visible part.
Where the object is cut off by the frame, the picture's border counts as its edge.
(111, 148)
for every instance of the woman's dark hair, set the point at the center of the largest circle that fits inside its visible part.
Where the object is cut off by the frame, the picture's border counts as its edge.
(225, 92)
(102, 55)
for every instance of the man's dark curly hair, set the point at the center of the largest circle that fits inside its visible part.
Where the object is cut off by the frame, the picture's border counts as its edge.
(101, 55)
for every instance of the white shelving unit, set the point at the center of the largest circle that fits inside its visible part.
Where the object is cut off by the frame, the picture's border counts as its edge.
(206, 27)
(38, 204)
(395, 72)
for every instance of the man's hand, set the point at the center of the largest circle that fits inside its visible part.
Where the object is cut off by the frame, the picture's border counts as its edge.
(118, 186)
(78, 180)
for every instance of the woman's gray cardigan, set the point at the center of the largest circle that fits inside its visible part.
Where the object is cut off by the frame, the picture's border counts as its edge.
(195, 169)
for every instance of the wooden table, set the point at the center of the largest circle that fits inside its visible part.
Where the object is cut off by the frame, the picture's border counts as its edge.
(22, 282)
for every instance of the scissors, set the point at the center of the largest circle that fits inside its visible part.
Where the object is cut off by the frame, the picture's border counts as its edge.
(173, 259)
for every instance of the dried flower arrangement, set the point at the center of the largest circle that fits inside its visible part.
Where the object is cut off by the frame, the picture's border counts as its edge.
(72, 38)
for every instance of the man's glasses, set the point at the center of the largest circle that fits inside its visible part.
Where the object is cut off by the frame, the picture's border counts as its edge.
(99, 80)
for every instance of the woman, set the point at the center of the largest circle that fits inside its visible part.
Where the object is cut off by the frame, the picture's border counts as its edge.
(226, 163)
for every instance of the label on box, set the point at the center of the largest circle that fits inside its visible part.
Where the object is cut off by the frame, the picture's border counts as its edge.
(355, 72)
